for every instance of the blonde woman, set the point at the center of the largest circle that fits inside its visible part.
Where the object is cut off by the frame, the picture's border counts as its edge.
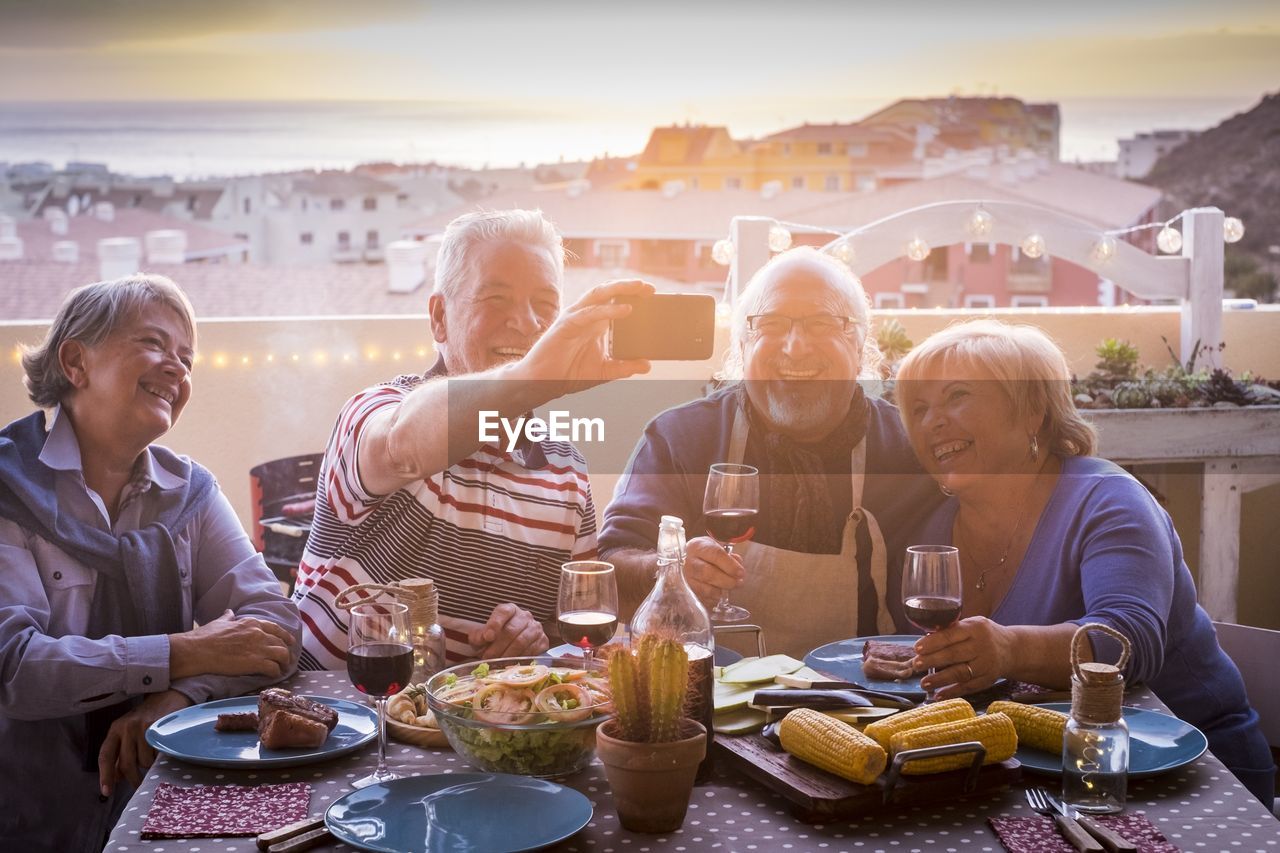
(1051, 536)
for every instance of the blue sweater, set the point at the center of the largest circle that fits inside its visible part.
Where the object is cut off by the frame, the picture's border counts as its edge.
(1105, 551)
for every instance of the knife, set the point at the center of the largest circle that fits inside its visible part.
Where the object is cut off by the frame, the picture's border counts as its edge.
(1111, 840)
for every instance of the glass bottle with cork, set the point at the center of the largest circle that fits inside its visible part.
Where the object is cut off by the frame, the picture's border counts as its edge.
(1095, 754)
(672, 610)
(423, 600)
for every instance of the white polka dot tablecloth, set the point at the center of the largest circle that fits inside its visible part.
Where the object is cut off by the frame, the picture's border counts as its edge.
(1200, 807)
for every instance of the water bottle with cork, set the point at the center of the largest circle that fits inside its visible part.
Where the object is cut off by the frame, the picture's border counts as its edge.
(1095, 755)
(672, 610)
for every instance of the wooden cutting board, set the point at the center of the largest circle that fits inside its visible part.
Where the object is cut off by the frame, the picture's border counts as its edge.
(818, 796)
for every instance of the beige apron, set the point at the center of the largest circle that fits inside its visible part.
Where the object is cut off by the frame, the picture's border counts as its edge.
(803, 601)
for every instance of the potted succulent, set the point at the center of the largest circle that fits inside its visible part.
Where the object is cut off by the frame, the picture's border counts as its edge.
(650, 750)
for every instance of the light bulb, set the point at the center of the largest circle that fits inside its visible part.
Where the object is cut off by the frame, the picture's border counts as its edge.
(779, 239)
(1232, 229)
(843, 252)
(979, 224)
(722, 252)
(917, 249)
(1169, 240)
(1033, 246)
(1105, 249)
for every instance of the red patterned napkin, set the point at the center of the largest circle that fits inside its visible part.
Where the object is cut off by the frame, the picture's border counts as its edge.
(1040, 834)
(220, 811)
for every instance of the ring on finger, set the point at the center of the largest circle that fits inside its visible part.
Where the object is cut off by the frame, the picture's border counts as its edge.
(969, 668)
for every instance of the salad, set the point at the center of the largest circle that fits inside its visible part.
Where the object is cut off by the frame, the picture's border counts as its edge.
(526, 717)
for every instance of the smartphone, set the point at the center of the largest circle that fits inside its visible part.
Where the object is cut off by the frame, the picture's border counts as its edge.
(665, 327)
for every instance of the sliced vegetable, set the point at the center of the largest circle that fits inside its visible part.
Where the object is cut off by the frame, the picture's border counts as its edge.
(741, 721)
(564, 702)
(755, 670)
(499, 703)
(519, 676)
(728, 697)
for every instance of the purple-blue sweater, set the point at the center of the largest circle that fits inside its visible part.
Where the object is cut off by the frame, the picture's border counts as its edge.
(1105, 551)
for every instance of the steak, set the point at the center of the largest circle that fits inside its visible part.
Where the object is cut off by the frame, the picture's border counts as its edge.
(286, 721)
(246, 722)
(889, 661)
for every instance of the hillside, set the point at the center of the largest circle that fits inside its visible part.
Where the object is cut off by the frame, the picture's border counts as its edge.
(1234, 166)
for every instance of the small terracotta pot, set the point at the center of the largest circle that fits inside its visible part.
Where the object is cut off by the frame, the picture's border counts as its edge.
(651, 782)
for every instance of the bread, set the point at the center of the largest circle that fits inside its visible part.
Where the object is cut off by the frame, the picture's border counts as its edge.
(286, 721)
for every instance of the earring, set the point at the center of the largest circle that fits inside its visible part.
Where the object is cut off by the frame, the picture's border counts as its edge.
(1035, 447)
(946, 491)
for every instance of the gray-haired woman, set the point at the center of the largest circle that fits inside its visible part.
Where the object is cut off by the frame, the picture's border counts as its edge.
(111, 550)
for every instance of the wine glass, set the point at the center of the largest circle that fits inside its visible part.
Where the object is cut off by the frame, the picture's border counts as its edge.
(379, 663)
(729, 510)
(931, 587)
(588, 610)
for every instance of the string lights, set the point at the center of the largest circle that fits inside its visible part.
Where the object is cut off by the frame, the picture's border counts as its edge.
(1169, 240)
(917, 249)
(1032, 246)
(979, 222)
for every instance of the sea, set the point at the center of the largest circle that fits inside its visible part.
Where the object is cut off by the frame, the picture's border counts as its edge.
(198, 139)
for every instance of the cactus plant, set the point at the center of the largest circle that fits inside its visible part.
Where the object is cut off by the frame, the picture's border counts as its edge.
(649, 685)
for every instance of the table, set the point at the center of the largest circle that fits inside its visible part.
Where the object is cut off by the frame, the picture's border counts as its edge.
(1200, 807)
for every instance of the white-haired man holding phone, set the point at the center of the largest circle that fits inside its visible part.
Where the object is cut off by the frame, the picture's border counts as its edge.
(408, 489)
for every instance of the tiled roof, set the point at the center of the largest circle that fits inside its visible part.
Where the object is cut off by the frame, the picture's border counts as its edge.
(637, 214)
(344, 184)
(38, 238)
(705, 215)
(844, 132)
(33, 291)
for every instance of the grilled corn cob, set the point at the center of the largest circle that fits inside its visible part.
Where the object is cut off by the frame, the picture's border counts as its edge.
(995, 731)
(834, 746)
(926, 715)
(1039, 727)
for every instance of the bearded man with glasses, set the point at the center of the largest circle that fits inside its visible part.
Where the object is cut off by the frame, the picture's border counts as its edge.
(839, 485)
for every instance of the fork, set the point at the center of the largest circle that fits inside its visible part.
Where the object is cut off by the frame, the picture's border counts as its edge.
(1038, 799)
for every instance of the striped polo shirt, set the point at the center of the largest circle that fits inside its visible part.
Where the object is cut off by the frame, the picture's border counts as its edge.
(495, 527)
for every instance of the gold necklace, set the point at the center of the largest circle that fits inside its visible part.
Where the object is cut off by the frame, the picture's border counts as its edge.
(982, 578)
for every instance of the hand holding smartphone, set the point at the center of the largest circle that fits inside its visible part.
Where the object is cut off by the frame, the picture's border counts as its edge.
(665, 327)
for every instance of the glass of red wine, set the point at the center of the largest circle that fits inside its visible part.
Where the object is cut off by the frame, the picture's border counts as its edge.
(379, 663)
(588, 610)
(931, 587)
(729, 509)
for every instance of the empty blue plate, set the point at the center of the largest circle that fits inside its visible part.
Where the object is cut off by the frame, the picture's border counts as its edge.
(474, 812)
(1157, 743)
(188, 734)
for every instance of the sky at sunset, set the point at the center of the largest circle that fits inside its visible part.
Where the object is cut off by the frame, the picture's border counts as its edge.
(755, 66)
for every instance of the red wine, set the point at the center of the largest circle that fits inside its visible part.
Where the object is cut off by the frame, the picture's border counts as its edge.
(380, 669)
(932, 612)
(587, 629)
(727, 526)
(698, 704)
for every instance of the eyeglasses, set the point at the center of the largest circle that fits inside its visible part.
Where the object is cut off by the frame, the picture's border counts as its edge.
(815, 325)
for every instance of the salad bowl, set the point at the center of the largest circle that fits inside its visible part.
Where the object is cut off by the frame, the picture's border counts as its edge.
(531, 716)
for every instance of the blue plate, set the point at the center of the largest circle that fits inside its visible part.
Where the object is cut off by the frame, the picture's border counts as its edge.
(1157, 743)
(722, 656)
(471, 812)
(843, 660)
(188, 734)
